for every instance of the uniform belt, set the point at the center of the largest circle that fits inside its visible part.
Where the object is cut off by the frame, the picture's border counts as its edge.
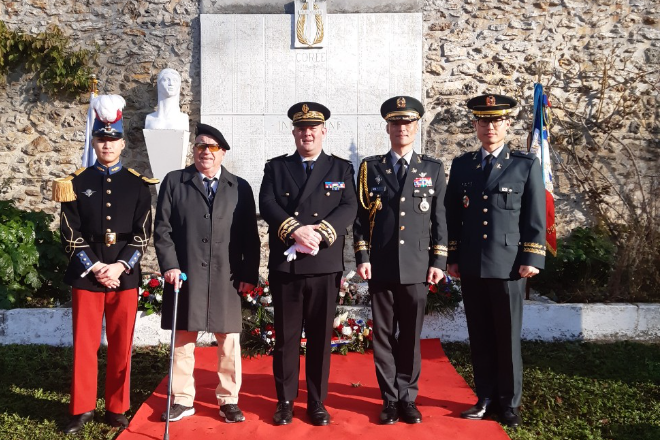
(91, 238)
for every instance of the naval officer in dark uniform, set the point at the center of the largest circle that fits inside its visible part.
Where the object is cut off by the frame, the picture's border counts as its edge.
(105, 227)
(496, 220)
(400, 240)
(308, 200)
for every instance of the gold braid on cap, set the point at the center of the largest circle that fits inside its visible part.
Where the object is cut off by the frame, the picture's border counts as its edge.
(411, 115)
(500, 112)
(365, 201)
(301, 116)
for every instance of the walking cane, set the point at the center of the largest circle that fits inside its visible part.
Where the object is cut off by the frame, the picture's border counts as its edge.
(166, 436)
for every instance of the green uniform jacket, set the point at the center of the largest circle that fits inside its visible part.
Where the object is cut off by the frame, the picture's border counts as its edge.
(496, 226)
(409, 232)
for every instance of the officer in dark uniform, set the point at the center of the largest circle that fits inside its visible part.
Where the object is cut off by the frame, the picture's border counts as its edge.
(105, 227)
(400, 244)
(308, 200)
(496, 220)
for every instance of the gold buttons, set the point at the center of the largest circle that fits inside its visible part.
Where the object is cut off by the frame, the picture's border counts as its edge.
(108, 230)
(108, 218)
(286, 194)
(403, 213)
(401, 242)
(108, 204)
(485, 197)
(402, 228)
(485, 209)
(108, 180)
(371, 194)
(485, 223)
(328, 194)
(108, 192)
(296, 213)
(316, 214)
(431, 191)
(485, 236)
(403, 199)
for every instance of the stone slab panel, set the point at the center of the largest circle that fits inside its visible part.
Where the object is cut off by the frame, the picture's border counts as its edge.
(286, 6)
(251, 75)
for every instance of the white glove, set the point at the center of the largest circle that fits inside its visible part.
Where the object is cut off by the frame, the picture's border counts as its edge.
(291, 252)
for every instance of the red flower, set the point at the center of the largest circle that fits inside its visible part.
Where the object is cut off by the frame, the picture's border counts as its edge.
(146, 294)
(433, 288)
(154, 283)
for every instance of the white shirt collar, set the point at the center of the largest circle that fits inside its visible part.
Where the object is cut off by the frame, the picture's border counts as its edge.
(396, 157)
(495, 153)
(217, 175)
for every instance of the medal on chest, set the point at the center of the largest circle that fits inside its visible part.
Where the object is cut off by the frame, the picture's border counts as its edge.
(466, 201)
(424, 205)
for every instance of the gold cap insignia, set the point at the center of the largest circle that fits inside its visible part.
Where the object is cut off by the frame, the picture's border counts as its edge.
(401, 102)
(490, 101)
(305, 108)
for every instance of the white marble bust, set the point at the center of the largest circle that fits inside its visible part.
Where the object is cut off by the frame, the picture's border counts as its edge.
(168, 115)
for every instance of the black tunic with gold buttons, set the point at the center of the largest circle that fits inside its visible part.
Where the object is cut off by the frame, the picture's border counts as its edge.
(495, 226)
(409, 232)
(109, 221)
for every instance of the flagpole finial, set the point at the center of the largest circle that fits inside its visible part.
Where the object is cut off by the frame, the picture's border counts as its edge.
(94, 85)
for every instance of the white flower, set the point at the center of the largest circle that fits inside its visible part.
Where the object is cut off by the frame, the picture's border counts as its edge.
(159, 297)
(266, 290)
(342, 294)
(346, 331)
(269, 332)
(248, 298)
(266, 299)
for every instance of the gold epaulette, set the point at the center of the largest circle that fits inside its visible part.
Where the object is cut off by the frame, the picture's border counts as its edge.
(63, 187)
(149, 180)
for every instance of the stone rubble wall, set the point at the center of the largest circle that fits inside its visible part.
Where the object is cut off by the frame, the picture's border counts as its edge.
(471, 47)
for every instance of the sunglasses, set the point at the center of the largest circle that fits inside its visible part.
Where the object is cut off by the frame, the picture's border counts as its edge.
(213, 148)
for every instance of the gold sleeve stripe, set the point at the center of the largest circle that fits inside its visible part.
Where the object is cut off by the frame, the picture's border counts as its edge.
(360, 246)
(286, 227)
(534, 250)
(535, 245)
(439, 252)
(453, 245)
(328, 231)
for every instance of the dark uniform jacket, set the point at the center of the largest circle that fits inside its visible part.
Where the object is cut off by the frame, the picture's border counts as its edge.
(287, 202)
(216, 245)
(409, 232)
(496, 226)
(115, 200)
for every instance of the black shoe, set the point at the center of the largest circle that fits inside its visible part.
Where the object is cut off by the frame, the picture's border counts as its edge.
(284, 412)
(510, 417)
(116, 420)
(390, 413)
(77, 422)
(232, 413)
(177, 412)
(317, 413)
(409, 412)
(480, 410)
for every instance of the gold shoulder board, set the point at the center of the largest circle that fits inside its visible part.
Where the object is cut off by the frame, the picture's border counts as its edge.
(149, 180)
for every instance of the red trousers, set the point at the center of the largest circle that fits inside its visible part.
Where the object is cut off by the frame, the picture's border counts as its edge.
(120, 308)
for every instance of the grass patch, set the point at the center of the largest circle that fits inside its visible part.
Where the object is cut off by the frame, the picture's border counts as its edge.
(583, 391)
(572, 390)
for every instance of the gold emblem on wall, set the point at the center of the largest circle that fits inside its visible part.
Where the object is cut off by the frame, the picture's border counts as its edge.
(308, 16)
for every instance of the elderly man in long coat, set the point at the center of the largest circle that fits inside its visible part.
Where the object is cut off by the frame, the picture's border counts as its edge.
(206, 227)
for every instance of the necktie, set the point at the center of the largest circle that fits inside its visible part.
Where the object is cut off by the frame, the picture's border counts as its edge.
(309, 166)
(401, 174)
(489, 166)
(208, 184)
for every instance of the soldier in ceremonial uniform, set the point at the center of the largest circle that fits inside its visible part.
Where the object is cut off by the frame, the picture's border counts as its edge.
(105, 226)
(308, 200)
(496, 221)
(400, 245)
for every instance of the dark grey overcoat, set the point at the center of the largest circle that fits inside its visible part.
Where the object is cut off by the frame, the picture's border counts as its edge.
(216, 245)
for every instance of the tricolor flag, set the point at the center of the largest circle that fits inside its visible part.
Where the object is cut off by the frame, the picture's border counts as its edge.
(89, 156)
(540, 145)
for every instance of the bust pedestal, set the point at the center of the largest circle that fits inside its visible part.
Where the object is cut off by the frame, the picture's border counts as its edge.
(167, 151)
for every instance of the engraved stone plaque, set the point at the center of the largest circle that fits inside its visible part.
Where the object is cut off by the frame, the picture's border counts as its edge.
(251, 73)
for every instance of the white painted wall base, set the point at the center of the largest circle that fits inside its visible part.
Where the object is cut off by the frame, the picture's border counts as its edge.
(545, 322)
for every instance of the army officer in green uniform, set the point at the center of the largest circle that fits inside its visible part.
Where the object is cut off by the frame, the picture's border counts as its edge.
(495, 205)
(400, 244)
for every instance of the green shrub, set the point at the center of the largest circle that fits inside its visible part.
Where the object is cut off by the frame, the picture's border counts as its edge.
(32, 263)
(581, 270)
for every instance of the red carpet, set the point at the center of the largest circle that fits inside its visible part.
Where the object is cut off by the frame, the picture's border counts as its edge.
(354, 409)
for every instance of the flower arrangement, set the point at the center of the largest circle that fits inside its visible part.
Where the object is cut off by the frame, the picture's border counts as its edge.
(349, 294)
(150, 298)
(258, 336)
(444, 297)
(351, 334)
